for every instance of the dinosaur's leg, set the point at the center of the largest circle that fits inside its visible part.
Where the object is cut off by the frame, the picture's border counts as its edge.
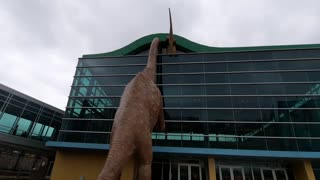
(118, 156)
(144, 152)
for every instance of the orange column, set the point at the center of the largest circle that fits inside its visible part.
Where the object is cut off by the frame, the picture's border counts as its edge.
(302, 170)
(212, 168)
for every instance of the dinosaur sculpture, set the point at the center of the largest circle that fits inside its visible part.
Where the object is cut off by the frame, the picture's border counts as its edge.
(171, 42)
(139, 112)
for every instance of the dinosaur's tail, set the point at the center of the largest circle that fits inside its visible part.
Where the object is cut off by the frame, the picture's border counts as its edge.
(151, 68)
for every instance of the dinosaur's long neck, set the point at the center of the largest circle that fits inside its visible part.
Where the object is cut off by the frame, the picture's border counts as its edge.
(151, 68)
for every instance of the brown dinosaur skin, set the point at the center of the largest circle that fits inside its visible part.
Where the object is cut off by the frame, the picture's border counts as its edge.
(139, 111)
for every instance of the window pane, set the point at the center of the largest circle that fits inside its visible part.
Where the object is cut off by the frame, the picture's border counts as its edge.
(215, 67)
(111, 80)
(189, 68)
(217, 89)
(267, 174)
(114, 70)
(170, 68)
(216, 78)
(280, 174)
(237, 174)
(36, 130)
(214, 57)
(192, 90)
(50, 132)
(6, 122)
(184, 173)
(23, 127)
(225, 173)
(114, 61)
(241, 66)
(261, 55)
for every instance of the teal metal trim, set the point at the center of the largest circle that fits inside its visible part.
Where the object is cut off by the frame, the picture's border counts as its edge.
(190, 46)
(73, 145)
(197, 151)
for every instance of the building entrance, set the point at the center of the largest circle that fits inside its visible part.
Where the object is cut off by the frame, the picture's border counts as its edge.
(189, 172)
(178, 169)
(273, 174)
(231, 173)
(241, 173)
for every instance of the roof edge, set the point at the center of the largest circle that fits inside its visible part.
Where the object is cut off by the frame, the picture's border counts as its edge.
(190, 46)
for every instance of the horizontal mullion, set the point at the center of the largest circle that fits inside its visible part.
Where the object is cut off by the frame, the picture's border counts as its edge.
(220, 122)
(207, 62)
(207, 84)
(112, 65)
(5, 96)
(201, 135)
(2, 101)
(240, 61)
(205, 73)
(240, 122)
(17, 106)
(84, 119)
(26, 109)
(105, 75)
(191, 96)
(92, 132)
(198, 108)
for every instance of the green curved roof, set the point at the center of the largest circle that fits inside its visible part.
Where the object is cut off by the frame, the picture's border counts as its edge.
(189, 46)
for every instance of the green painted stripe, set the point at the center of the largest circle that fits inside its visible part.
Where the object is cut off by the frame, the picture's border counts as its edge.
(190, 46)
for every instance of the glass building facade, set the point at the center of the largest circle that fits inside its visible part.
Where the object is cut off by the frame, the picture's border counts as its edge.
(256, 100)
(23, 116)
(249, 113)
(25, 124)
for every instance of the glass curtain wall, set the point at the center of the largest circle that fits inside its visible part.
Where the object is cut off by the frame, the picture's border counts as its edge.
(24, 118)
(266, 100)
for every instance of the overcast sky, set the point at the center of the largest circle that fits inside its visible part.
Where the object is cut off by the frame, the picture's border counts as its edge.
(40, 40)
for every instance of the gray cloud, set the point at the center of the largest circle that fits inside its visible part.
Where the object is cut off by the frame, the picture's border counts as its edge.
(41, 40)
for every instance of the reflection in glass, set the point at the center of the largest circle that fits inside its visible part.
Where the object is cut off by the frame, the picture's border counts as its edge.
(280, 174)
(237, 174)
(225, 173)
(195, 173)
(213, 88)
(6, 122)
(267, 174)
(23, 127)
(36, 130)
(184, 175)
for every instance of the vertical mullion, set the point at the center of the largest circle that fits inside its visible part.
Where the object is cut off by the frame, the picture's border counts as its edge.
(231, 173)
(161, 170)
(252, 174)
(274, 174)
(189, 172)
(200, 172)
(5, 105)
(178, 171)
(34, 123)
(18, 118)
(261, 172)
(285, 173)
(242, 170)
(170, 170)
